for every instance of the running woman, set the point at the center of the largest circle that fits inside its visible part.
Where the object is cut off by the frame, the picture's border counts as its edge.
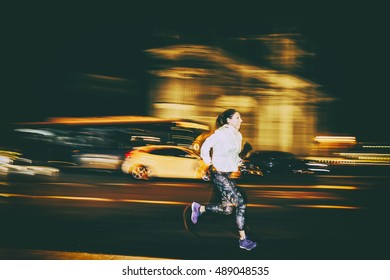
(221, 152)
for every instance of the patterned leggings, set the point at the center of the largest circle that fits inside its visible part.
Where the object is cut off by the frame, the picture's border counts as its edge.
(231, 198)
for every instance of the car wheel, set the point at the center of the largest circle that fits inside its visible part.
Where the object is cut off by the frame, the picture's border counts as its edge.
(140, 172)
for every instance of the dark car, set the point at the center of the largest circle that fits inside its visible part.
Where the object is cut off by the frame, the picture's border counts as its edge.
(279, 162)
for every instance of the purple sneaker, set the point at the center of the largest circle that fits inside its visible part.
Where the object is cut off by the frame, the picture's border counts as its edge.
(247, 244)
(195, 207)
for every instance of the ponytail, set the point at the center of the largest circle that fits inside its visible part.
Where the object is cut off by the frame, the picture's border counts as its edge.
(222, 118)
(219, 121)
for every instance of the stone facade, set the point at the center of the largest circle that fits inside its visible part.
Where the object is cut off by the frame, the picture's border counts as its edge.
(198, 82)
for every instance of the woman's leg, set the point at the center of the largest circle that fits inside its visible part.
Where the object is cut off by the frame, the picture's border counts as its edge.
(231, 198)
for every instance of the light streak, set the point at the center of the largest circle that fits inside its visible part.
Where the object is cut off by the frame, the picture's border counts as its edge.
(99, 199)
(329, 187)
(328, 206)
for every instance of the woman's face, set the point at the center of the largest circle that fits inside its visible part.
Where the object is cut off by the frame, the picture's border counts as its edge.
(235, 121)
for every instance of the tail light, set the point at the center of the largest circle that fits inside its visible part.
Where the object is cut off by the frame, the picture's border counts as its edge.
(128, 154)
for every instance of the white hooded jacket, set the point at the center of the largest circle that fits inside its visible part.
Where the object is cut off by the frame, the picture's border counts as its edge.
(226, 143)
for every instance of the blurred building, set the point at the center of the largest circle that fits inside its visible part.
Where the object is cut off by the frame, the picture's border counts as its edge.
(195, 81)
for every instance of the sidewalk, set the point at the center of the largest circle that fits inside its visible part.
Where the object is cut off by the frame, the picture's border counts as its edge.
(19, 254)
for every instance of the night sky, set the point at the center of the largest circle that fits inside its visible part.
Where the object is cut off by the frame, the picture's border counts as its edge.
(43, 46)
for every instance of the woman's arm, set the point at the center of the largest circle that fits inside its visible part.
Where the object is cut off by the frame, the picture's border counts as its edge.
(206, 147)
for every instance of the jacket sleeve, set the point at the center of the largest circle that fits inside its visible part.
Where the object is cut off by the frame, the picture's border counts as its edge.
(206, 147)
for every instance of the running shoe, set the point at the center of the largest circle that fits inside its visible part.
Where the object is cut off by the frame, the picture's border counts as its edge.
(195, 207)
(247, 244)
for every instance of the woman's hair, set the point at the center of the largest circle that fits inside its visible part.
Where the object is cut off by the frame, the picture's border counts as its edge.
(222, 118)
